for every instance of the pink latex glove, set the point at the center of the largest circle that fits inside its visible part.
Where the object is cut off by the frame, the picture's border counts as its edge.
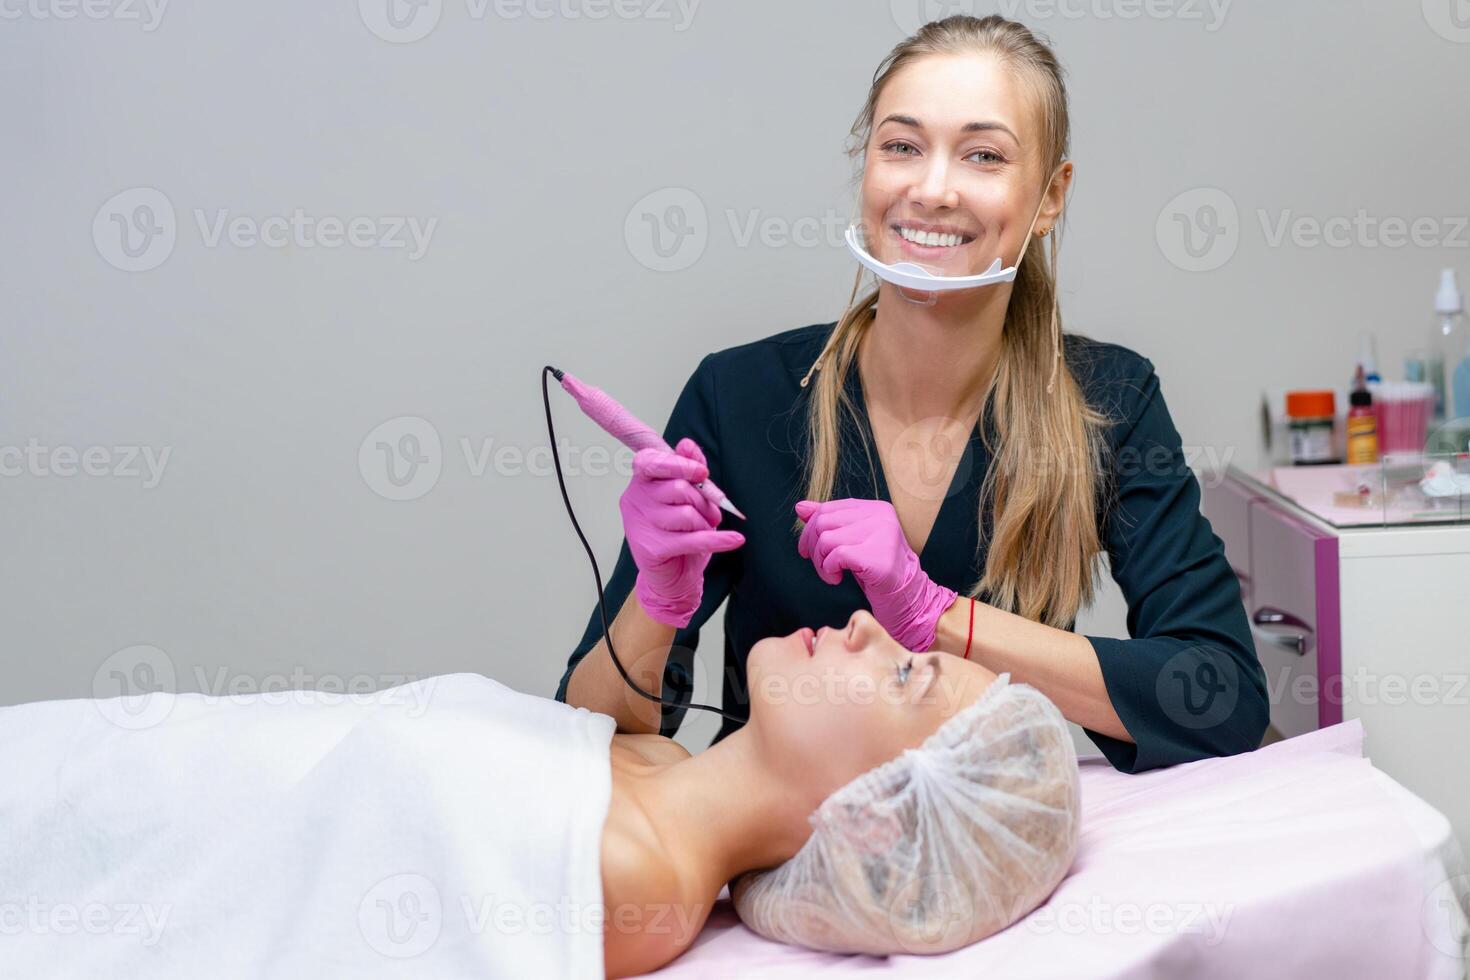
(865, 538)
(670, 528)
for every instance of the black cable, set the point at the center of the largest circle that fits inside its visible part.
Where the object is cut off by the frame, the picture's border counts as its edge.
(596, 573)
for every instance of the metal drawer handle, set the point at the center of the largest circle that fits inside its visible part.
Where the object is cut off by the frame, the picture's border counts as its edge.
(1300, 641)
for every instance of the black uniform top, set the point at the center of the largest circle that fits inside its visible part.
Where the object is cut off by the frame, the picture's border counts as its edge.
(1187, 686)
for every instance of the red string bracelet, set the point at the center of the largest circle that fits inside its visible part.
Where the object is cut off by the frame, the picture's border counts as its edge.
(971, 638)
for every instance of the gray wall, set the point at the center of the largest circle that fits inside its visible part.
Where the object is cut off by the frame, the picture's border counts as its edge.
(524, 148)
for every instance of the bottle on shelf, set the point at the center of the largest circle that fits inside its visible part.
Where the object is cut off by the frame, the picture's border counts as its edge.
(1362, 424)
(1367, 366)
(1311, 420)
(1447, 346)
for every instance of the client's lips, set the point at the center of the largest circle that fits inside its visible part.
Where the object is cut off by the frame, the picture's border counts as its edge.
(808, 639)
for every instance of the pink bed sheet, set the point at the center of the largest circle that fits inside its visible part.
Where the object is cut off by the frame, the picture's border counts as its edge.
(1299, 859)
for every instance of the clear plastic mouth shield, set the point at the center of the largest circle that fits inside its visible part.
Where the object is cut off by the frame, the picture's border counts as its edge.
(924, 263)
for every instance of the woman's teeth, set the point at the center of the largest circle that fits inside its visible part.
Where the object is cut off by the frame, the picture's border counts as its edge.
(930, 237)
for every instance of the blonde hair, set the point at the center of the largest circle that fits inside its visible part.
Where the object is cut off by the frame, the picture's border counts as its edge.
(1044, 542)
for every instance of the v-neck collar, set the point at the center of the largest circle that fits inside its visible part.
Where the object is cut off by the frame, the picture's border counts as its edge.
(957, 509)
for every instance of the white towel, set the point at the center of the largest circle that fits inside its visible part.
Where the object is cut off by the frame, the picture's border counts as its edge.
(446, 828)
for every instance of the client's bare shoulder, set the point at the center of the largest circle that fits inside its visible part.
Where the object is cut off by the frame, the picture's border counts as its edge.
(650, 748)
(651, 914)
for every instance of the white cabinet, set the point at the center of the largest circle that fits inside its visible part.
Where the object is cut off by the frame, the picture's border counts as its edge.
(1370, 623)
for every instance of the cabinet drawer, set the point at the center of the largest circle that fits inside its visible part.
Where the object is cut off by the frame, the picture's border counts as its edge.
(1293, 608)
(1227, 507)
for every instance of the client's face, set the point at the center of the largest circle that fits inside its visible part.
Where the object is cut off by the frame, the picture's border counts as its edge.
(833, 704)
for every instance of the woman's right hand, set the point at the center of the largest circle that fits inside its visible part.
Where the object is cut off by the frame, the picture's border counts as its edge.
(670, 528)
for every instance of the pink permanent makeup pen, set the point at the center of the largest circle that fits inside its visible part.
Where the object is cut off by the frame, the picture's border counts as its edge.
(623, 425)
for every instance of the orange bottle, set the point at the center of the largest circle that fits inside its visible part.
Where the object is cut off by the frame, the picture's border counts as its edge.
(1311, 421)
(1362, 424)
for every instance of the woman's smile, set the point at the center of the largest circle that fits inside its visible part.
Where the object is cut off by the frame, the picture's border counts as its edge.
(919, 240)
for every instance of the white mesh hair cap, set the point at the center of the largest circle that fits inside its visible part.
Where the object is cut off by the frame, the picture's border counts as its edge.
(938, 848)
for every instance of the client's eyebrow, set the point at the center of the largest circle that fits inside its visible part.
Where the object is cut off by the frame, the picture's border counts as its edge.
(969, 127)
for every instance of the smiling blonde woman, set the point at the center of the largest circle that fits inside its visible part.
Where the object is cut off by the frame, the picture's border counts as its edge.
(951, 460)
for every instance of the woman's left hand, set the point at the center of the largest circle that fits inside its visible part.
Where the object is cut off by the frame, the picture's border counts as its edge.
(865, 538)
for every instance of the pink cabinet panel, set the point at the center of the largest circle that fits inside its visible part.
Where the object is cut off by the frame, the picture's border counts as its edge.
(1293, 610)
(1227, 507)
(1288, 571)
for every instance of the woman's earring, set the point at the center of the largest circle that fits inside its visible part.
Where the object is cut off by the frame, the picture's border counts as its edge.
(1043, 232)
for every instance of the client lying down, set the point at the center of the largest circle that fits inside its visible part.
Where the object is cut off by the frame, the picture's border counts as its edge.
(922, 817)
(877, 801)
